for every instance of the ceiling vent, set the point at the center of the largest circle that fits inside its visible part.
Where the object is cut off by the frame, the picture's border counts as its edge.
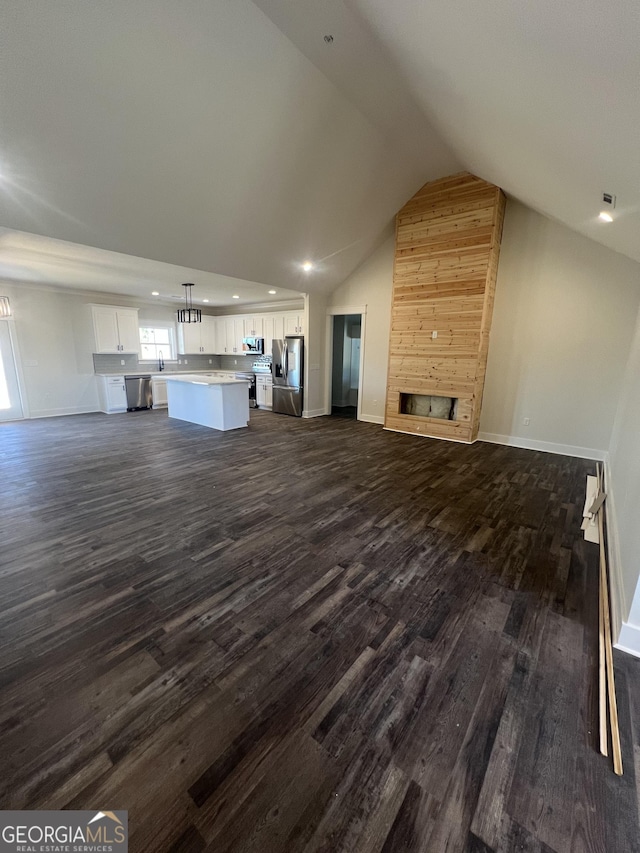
(609, 199)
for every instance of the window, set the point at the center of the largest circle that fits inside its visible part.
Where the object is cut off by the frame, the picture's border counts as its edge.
(157, 340)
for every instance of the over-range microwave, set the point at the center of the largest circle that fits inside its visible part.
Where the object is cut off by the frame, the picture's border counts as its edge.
(253, 345)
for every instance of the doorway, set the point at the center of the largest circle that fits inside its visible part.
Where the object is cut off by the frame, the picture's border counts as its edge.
(10, 401)
(345, 369)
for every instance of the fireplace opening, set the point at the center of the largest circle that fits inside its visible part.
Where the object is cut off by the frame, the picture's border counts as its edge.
(429, 406)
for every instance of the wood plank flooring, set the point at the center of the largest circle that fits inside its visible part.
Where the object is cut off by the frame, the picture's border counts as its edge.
(304, 636)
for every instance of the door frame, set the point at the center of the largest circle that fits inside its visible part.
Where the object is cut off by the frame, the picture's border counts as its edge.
(17, 362)
(337, 311)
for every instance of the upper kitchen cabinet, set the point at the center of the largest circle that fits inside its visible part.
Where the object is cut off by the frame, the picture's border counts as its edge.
(197, 338)
(273, 329)
(293, 323)
(233, 331)
(115, 329)
(254, 326)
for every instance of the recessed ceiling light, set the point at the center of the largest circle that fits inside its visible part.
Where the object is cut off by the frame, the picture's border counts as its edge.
(272, 292)
(205, 300)
(606, 217)
(307, 266)
(235, 296)
(155, 293)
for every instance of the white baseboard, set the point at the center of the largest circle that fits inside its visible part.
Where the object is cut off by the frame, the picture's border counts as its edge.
(314, 413)
(545, 446)
(629, 639)
(56, 413)
(372, 419)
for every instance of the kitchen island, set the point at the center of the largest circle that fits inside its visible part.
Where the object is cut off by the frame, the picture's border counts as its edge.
(221, 404)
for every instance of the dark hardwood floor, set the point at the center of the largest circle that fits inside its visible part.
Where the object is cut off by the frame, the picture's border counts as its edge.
(304, 636)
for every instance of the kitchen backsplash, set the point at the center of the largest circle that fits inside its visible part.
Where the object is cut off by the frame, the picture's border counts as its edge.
(238, 362)
(112, 363)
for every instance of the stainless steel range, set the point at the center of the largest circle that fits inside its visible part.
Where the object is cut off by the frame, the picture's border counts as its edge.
(261, 367)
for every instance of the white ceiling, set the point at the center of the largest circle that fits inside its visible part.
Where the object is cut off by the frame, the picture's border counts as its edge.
(197, 134)
(206, 135)
(32, 259)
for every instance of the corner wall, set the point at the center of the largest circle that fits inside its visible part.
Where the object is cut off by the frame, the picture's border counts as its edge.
(563, 323)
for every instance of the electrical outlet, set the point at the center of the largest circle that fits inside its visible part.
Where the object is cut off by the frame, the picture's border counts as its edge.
(526, 421)
(210, 361)
(185, 361)
(122, 361)
(434, 335)
(235, 360)
(179, 361)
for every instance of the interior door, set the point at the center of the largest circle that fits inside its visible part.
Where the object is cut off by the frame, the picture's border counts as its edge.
(10, 402)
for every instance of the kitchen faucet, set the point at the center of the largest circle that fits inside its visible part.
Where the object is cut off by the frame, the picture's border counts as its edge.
(160, 361)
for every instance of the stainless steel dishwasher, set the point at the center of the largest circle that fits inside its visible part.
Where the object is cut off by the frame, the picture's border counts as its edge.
(138, 392)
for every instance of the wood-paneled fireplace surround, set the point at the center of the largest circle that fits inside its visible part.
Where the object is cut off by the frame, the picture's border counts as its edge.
(446, 260)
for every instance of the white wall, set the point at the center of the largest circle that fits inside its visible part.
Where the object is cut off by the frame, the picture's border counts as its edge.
(371, 285)
(315, 356)
(623, 486)
(54, 351)
(562, 326)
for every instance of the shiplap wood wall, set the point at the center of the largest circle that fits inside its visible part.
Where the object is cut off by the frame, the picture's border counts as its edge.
(446, 260)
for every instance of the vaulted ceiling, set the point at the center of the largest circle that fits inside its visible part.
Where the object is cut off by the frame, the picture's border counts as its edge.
(229, 137)
(541, 98)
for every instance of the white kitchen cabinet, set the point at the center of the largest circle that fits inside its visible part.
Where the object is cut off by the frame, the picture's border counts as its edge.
(197, 338)
(220, 334)
(273, 327)
(112, 394)
(159, 393)
(233, 334)
(293, 323)
(264, 391)
(115, 329)
(189, 338)
(209, 335)
(230, 330)
(254, 326)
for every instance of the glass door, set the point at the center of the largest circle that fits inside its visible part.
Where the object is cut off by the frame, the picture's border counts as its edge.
(10, 402)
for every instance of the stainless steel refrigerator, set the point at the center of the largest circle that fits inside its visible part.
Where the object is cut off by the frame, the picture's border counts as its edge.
(287, 365)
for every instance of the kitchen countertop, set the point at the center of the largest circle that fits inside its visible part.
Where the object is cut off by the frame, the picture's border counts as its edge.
(200, 379)
(168, 373)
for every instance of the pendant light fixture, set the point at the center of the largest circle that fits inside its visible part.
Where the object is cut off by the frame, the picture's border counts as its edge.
(189, 314)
